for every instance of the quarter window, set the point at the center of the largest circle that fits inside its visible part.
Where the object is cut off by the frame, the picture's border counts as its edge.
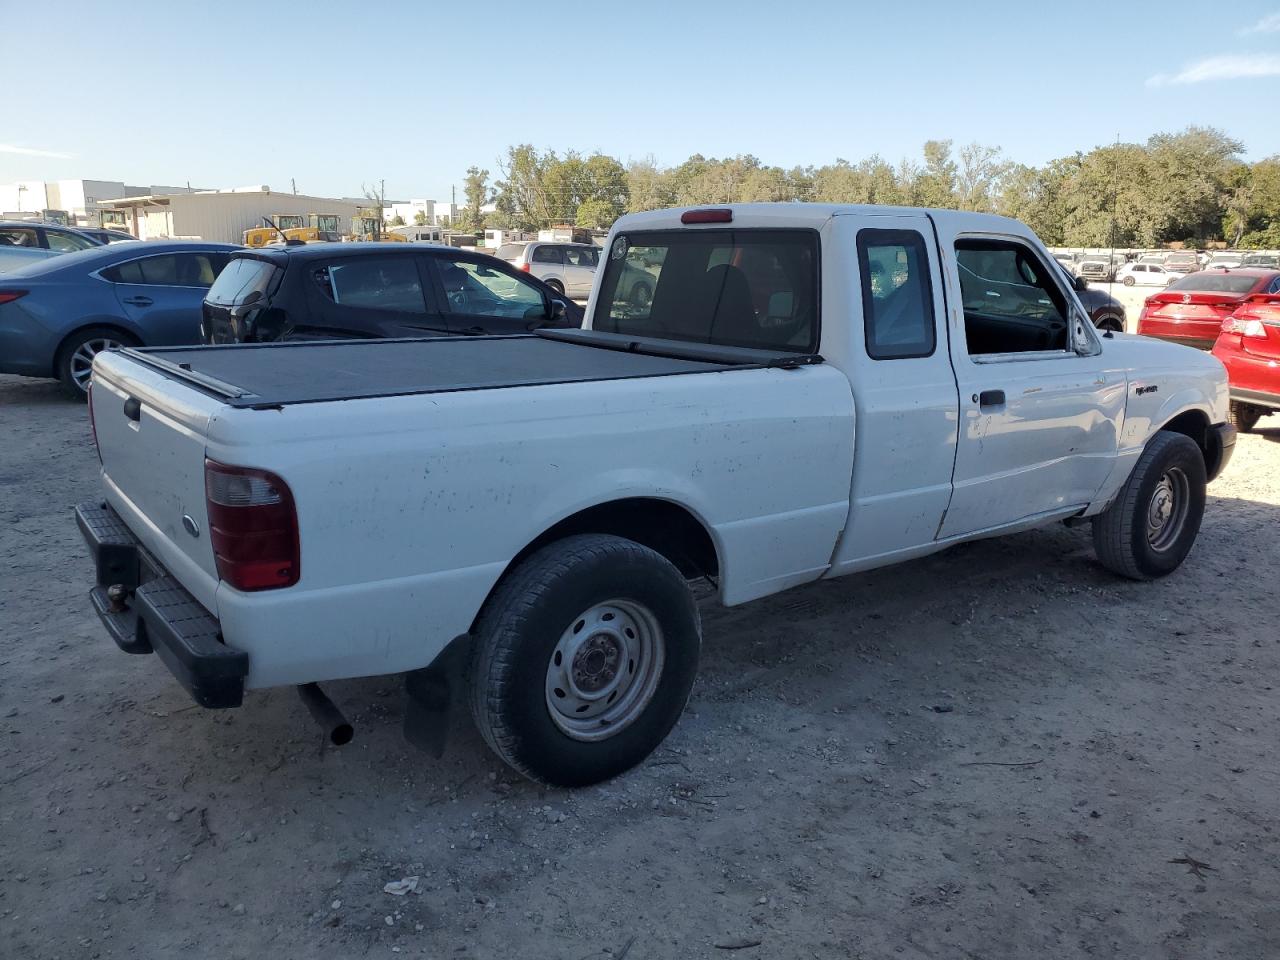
(373, 283)
(547, 255)
(897, 297)
(1011, 304)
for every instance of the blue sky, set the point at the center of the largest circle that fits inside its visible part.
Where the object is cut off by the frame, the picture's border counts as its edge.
(333, 94)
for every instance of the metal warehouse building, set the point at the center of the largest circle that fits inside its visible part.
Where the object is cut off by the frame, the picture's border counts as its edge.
(222, 215)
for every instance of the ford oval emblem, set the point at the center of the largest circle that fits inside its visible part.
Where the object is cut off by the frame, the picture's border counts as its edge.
(189, 524)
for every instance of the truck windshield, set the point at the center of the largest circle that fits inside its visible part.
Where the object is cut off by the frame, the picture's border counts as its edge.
(240, 278)
(739, 288)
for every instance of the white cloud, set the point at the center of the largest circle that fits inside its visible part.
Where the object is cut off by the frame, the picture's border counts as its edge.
(1268, 24)
(1229, 67)
(33, 152)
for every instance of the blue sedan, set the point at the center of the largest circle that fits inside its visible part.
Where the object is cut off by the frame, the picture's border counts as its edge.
(56, 315)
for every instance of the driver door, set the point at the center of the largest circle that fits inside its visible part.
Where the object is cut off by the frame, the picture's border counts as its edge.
(481, 295)
(1040, 407)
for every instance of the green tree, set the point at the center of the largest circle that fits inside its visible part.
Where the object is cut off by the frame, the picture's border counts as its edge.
(420, 218)
(475, 189)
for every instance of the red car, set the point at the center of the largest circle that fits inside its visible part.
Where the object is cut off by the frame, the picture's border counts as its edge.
(1191, 310)
(1249, 347)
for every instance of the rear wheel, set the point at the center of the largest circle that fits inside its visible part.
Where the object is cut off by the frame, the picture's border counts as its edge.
(1128, 281)
(74, 363)
(641, 295)
(1150, 527)
(1244, 416)
(583, 659)
(1110, 323)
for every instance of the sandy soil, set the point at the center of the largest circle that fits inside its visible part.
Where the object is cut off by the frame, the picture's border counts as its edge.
(998, 752)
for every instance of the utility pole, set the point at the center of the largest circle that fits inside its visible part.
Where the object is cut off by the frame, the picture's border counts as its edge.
(294, 184)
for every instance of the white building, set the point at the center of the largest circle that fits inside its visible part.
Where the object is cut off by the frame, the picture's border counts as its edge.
(80, 198)
(219, 215)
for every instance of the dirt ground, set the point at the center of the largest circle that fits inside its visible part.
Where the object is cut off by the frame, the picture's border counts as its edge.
(999, 752)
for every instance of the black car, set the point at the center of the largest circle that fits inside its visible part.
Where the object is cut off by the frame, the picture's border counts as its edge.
(107, 235)
(1106, 312)
(319, 291)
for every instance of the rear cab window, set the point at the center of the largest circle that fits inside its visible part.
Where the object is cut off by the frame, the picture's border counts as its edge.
(754, 288)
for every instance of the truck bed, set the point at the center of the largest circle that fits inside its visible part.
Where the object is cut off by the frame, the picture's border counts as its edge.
(279, 374)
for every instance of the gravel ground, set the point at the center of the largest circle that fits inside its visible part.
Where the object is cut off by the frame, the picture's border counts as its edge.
(1000, 751)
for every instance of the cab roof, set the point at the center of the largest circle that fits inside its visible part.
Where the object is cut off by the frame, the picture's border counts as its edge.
(811, 215)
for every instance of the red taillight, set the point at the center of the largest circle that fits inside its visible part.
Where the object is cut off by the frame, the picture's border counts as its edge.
(1245, 326)
(253, 527)
(93, 424)
(714, 215)
(8, 296)
(524, 267)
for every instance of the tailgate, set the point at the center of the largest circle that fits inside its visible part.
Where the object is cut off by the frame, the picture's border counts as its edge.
(151, 435)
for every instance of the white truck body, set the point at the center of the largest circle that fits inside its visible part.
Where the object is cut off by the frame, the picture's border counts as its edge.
(411, 508)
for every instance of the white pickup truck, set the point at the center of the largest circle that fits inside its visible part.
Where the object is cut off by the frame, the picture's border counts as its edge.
(763, 396)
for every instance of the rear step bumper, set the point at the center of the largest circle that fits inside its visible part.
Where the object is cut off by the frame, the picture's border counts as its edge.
(146, 611)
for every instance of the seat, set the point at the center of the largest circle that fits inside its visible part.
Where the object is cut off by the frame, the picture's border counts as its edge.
(734, 321)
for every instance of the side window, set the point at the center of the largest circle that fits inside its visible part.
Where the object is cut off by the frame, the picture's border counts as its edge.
(547, 255)
(66, 242)
(169, 270)
(1275, 286)
(18, 237)
(476, 288)
(1011, 304)
(373, 283)
(897, 297)
(580, 257)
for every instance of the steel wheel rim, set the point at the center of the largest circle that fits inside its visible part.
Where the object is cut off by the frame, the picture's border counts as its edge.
(1167, 509)
(604, 670)
(82, 359)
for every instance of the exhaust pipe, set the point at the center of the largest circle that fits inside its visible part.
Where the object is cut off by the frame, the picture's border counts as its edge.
(326, 713)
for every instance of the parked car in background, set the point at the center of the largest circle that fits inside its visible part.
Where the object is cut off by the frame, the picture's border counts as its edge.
(1264, 261)
(1106, 312)
(107, 235)
(1099, 269)
(14, 258)
(1191, 311)
(1182, 262)
(21, 233)
(58, 314)
(347, 291)
(1220, 261)
(1069, 262)
(1146, 275)
(1249, 347)
(568, 268)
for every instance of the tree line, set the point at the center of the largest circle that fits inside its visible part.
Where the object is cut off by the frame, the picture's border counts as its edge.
(1191, 187)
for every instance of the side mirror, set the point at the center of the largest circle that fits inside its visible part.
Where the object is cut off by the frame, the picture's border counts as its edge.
(558, 310)
(1081, 284)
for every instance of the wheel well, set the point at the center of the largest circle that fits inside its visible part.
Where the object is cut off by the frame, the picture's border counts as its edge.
(62, 344)
(1195, 424)
(660, 525)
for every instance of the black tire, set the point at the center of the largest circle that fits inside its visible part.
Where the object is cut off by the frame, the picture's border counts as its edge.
(641, 295)
(1121, 534)
(1111, 323)
(557, 286)
(1128, 281)
(68, 365)
(1244, 416)
(523, 625)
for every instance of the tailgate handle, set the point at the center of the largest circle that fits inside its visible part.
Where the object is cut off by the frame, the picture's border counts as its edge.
(133, 409)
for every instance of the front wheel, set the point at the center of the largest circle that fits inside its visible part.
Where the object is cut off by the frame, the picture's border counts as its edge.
(1150, 527)
(1128, 281)
(584, 658)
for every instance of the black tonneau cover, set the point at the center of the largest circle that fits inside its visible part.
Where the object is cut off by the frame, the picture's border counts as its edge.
(278, 374)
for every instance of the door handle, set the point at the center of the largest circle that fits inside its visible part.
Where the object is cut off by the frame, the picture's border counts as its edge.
(991, 398)
(139, 301)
